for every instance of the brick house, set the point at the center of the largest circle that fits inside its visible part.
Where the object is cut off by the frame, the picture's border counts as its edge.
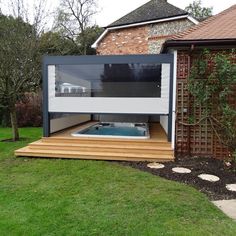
(217, 34)
(113, 91)
(144, 30)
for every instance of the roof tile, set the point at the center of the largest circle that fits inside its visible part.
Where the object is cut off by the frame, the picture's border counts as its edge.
(152, 10)
(220, 26)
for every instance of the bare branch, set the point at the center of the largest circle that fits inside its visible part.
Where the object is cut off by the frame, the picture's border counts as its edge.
(73, 17)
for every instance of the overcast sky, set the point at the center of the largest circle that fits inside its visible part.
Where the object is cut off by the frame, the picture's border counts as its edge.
(111, 10)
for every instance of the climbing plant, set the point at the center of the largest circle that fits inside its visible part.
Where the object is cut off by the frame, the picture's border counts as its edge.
(212, 84)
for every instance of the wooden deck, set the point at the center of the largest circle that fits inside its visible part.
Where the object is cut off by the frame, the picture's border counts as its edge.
(63, 145)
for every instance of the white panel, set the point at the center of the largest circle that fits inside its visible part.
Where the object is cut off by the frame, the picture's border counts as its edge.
(174, 98)
(164, 123)
(165, 81)
(51, 82)
(110, 105)
(67, 121)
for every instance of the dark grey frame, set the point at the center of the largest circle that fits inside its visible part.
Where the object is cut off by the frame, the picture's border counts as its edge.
(84, 60)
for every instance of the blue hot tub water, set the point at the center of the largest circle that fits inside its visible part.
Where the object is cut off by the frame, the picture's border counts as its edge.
(115, 129)
(120, 131)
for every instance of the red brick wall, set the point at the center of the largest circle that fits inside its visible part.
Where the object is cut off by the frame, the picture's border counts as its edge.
(125, 41)
(147, 39)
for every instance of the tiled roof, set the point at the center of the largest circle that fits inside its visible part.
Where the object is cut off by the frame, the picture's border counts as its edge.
(220, 26)
(152, 10)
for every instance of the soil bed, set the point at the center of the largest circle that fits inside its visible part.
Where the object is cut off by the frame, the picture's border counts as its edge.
(215, 191)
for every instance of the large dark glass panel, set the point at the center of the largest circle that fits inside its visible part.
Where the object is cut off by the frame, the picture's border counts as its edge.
(108, 80)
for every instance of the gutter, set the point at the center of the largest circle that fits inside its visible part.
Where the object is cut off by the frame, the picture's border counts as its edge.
(95, 45)
(200, 42)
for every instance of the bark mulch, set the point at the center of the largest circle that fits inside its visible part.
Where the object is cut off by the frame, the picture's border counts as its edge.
(215, 191)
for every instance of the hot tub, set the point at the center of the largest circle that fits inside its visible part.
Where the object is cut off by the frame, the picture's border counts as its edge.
(115, 130)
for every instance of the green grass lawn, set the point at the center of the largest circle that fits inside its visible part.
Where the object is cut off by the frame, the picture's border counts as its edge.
(72, 197)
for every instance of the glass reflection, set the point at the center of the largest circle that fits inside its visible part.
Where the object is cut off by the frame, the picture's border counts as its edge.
(108, 80)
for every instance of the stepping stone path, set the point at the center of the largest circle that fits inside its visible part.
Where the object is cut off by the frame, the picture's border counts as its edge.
(231, 187)
(181, 170)
(210, 178)
(155, 165)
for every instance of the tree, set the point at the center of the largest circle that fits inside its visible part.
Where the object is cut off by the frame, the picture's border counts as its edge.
(38, 17)
(19, 55)
(213, 90)
(88, 38)
(199, 12)
(73, 21)
(53, 43)
(20, 67)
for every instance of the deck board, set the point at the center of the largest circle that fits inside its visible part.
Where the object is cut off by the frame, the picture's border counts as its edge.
(64, 145)
(157, 133)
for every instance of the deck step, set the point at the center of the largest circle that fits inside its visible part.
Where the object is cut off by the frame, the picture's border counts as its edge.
(93, 145)
(99, 149)
(94, 152)
(93, 155)
(146, 142)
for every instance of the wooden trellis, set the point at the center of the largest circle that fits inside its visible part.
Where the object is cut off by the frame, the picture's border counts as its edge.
(198, 140)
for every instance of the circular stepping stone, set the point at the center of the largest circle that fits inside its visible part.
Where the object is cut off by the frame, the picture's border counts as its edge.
(155, 165)
(210, 178)
(181, 170)
(231, 187)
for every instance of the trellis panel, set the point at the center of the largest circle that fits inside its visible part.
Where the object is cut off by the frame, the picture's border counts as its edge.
(199, 140)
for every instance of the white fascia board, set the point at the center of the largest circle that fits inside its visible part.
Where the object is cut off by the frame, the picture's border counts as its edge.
(196, 22)
(141, 24)
(99, 39)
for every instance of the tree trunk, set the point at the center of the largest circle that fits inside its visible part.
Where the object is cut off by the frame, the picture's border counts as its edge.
(14, 125)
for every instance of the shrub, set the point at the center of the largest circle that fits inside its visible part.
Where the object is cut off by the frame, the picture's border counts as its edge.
(4, 117)
(29, 110)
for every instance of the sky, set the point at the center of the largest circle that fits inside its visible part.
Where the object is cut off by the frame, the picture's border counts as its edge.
(111, 10)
